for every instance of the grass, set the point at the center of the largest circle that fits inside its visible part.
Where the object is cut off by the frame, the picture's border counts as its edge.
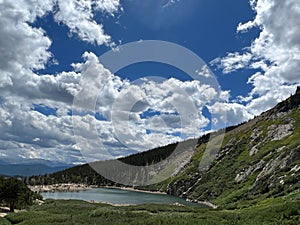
(4, 221)
(72, 212)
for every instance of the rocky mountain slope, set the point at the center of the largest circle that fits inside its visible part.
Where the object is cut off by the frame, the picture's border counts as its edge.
(258, 160)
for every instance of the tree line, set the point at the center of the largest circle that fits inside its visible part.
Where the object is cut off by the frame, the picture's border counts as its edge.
(86, 175)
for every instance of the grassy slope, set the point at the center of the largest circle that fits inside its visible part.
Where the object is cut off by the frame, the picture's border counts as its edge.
(70, 212)
(218, 183)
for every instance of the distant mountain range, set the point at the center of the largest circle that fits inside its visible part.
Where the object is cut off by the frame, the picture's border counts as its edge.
(30, 167)
(258, 159)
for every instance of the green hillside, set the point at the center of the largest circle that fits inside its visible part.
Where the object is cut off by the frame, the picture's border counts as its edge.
(258, 160)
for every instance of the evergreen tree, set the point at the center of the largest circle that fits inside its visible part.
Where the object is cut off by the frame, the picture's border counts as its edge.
(14, 193)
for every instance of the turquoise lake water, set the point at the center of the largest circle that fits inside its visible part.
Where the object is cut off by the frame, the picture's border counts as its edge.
(118, 196)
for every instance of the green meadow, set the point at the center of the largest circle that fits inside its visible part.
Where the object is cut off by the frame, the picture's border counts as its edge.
(279, 211)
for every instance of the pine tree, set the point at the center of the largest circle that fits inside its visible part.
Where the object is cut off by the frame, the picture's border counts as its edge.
(14, 193)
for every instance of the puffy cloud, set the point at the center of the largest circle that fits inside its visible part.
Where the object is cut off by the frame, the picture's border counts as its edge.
(30, 134)
(275, 53)
(230, 113)
(25, 48)
(26, 133)
(78, 15)
(18, 39)
(233, 61)
(109, 6)
(140, 115)
(126, 124)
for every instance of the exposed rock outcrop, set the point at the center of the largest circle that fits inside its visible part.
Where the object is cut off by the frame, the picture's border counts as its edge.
(278, 132)
(259, 157)
(249, 171)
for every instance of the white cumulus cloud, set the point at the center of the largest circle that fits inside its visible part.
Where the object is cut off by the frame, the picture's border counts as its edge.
(275, 53)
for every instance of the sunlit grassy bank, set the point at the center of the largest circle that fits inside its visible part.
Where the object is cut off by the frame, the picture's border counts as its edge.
(284, 210)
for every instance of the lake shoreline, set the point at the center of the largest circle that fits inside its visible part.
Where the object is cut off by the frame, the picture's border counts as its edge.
(83, 187)
(134, 189)
(64, 187)
(72, 187)
(206, 203)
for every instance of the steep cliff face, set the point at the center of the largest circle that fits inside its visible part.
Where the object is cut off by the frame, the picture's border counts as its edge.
(257, 160)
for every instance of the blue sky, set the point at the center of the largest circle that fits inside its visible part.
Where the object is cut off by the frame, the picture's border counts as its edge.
(251, 47)
(208, 28)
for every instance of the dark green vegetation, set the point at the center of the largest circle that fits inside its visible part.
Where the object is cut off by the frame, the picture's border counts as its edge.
(70, 212)
(15, 194)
